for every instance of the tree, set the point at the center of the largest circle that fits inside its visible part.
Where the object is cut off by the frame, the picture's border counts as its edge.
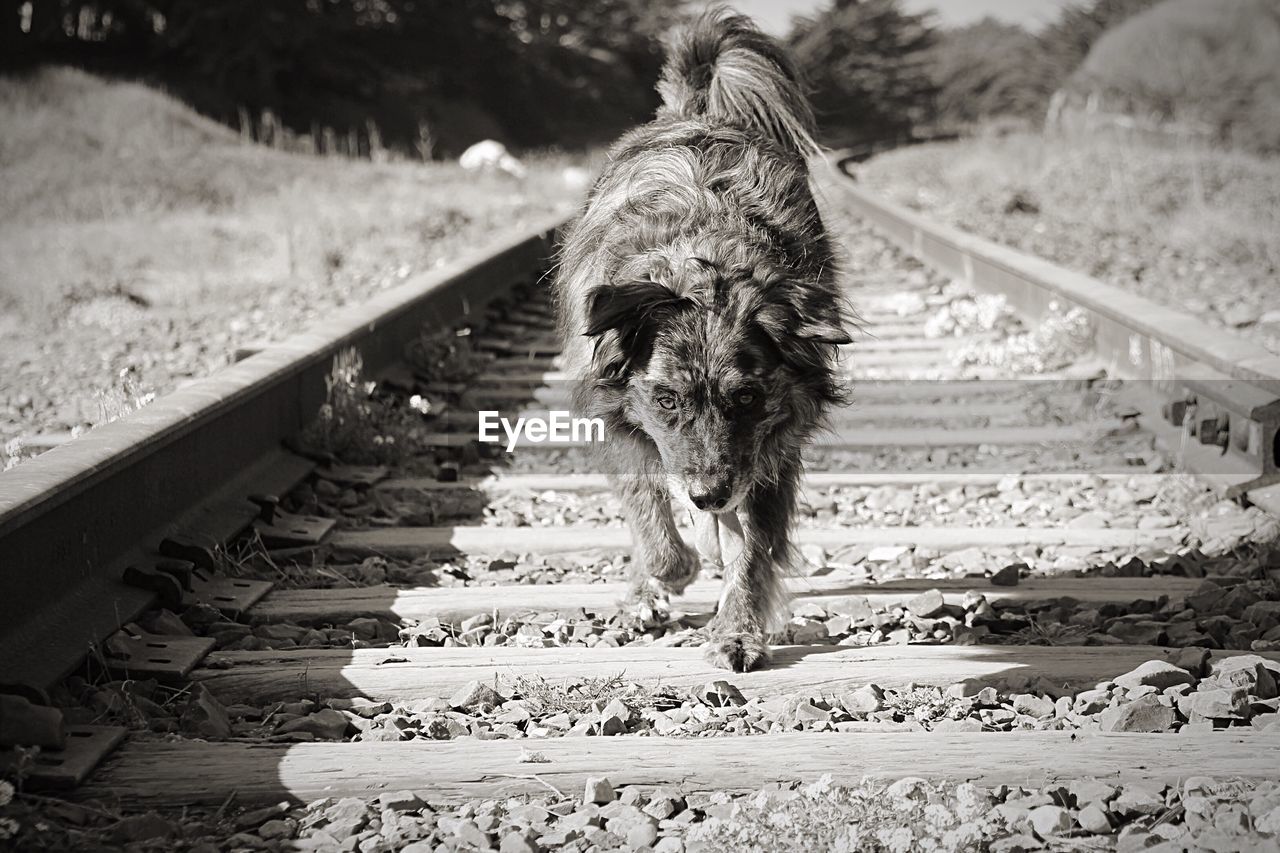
(1065, 43)
(867, 63)
(981, 72)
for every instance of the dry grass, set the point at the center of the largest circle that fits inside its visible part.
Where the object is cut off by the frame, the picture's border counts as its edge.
(157, 241)
(581, 695)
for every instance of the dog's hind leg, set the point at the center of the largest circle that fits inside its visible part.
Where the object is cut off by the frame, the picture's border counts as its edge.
(754, 602)
(662, 564)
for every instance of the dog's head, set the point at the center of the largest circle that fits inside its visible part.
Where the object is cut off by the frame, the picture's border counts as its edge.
(717, 365)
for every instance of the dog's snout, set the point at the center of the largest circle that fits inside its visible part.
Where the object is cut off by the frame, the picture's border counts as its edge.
(712, 498)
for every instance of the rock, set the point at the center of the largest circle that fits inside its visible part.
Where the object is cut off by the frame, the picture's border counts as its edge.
(642, 834)
(401, 801)
(598, 790)
(327, 724)
(1143, 632)
(719, 694)
(143, 827)
(1093, 818)
(927, 604)
(476, 696)
(1249, 671)
(1033, 706)
(1009, 575)
(278, 829)
(519, 842)
(1220, 704)
(1135, 798)
(1146, 714)
(1087, 791)
(1193, 659)
(1050, 820)
(864, 700)
(204, 716)
(1155, 673)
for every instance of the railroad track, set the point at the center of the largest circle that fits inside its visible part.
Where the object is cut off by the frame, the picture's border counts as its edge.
(1046, 575)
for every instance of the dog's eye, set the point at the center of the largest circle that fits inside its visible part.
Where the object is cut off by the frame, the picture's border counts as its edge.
(744, 398)
(666, 401)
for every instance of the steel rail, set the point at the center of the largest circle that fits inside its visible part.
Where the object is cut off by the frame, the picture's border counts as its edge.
(1231, 383)
(72, 519)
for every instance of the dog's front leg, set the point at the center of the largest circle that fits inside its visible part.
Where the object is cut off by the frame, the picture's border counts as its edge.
(754, 597)
(662, 564)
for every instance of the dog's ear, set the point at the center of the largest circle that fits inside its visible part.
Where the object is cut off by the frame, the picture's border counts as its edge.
(634, 310)
(627, 306)
(793, 315)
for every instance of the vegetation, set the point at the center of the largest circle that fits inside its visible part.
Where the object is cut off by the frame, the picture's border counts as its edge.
(160, 241)
(981, 73)
(867, 63)
(532, 72)
(1213, 65)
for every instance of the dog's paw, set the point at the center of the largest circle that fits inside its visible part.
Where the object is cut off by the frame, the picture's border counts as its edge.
(677, 571)
(738, 652)
(647, 604)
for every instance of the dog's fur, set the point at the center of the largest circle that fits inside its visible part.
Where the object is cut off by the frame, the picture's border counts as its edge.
(700, 309)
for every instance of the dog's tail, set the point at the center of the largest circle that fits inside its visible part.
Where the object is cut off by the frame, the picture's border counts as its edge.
(723, 68)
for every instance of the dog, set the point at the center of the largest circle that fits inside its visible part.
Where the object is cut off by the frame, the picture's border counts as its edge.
(701, 317)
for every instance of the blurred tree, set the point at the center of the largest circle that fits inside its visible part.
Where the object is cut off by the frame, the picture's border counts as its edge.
(545, 71)
(1065, 43)
(1216, 65)
(867, 62)
(981, 72)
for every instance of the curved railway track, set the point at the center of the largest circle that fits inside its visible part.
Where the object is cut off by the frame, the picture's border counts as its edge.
(430, 651)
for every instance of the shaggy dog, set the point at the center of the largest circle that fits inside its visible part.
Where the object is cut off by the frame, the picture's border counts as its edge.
(700, 313)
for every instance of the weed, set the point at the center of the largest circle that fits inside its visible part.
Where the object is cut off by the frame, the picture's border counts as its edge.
(581, 695)
(445, 356)
(356, 425)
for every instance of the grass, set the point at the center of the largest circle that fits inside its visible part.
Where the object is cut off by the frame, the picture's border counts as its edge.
(153, 239)
(581, 695)
(1186, 225)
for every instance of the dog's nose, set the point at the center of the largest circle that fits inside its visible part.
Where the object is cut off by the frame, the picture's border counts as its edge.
(714, 498)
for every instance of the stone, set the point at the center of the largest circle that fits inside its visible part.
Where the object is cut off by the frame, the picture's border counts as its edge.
(204, 716)
(518, 842)
(327, 724)
(1050, 820)
(598, 790)
(642, 834)
(719, 694)
(142, 827)
(476, 696)
(1248, 671)
(1193, 659)
(927, 604)
(401, 801)
(864, 700)
(1093, 818)
(1146, 714)
(1136, 798)
(1220, 704)
(278, 829)
(1009, 575)
(1155, 673)
(1033, 706)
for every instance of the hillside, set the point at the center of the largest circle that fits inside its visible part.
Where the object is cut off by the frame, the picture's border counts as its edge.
(158, 241)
